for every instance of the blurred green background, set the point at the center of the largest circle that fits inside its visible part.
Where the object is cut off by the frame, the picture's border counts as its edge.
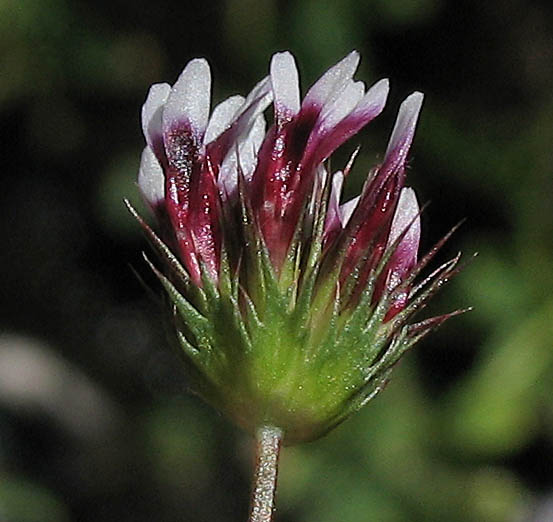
(95, 420)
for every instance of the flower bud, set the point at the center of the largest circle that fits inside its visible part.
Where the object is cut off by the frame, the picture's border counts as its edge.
(290, 306)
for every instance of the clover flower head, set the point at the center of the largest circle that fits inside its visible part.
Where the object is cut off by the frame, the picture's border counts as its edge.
(290, 306)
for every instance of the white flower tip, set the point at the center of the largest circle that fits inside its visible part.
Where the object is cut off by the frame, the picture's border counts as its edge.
(379, 91)
(151, 111)
(190, 96)
(282, 56)
(330, 85)
(406, 215)
(374, 100)
(408, 202)
(337, 183)
(222, 117)
(197, 66)
(351, 95)
(285, 82)
(416, 97)
(151, 180)
(406, 121)
(348, 65)
(196, 74)
(410, 108)
(347, 209)
(158, 91)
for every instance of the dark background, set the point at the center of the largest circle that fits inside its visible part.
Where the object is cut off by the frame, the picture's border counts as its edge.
(95, 420)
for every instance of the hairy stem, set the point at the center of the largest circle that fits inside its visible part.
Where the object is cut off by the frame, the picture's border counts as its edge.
(268, 442)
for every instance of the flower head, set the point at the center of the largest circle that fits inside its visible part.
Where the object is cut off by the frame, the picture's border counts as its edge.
(290, 306)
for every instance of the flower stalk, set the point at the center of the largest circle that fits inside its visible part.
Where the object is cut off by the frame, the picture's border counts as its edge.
(268, 443)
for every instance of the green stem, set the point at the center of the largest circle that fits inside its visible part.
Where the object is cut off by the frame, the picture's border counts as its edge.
(268, 442)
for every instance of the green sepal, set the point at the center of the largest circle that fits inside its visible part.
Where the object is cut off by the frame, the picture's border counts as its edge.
(305, 307)
(169, 259)
(198, 324)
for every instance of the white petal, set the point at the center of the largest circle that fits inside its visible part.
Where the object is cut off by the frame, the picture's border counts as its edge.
(189, 99)
(404, 128)
(152, 111)
(247, 151)
(227, 180)
(286, 88)
(319, 183)
(333, 81)
(257, 101)
(405, 255)
(263, 88)
(150, 178)
(346, 210)
(250, 147)
(333, 220)
(374, 100)
(351, 111)
(344, 104)
(222, 117)
(407, 210)
(243, 120)
(336, 193)
(259, 98)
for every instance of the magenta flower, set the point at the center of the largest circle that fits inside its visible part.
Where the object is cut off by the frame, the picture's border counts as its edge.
(290, 305)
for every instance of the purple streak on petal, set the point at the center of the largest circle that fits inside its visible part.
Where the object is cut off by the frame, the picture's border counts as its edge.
(184, 157)
(187, 250)
(194, 212)
(151, 180)
(270, 195)
(280, 184)
(406, 215)
(329, 100)
(185, 118)
(203, 220)
(286, 89)
(152, 111)
(185, 164)
(177, 191)
(371, 220)
(297, 144)
(274, 188)
(404, 257)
